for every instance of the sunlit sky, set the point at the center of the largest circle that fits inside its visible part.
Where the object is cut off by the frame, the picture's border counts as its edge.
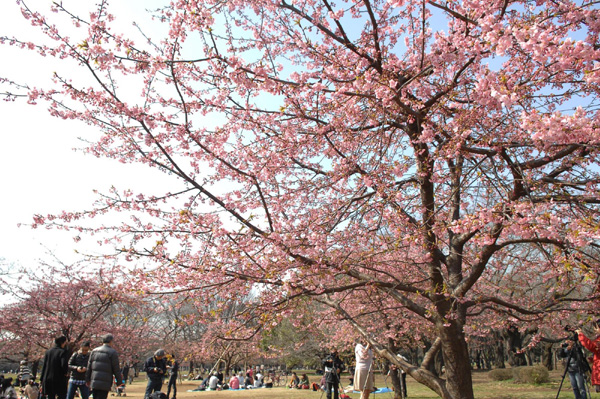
(41, 172)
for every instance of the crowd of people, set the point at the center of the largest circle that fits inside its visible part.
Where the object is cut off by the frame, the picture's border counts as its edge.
(97, 371)
(86, 372)
(252, 378)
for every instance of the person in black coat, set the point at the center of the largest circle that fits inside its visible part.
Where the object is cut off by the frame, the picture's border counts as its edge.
(78, 366)
(155, 367)
(577, 367)
(55, 370)
(174, 367)
(103, 368)
(332, 368)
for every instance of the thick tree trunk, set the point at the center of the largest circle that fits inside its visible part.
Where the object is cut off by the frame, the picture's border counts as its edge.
(499, 347)
(459, 383)
(547, 356)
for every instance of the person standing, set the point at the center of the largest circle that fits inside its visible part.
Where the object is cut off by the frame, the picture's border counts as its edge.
(363, 373)
(125, 372)
(155, 367)
(24, 374)
(174, 369)
(593, 345)
(103, 366)
(332, 367)
(55, 370)
(78, 366)
(576, 367)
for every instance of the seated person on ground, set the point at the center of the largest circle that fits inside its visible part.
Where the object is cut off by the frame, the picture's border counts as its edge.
(268, 382)
(304, 382)
(258, 380)
(234, 383)
(249, 381)
(294, 381)
(213, 382)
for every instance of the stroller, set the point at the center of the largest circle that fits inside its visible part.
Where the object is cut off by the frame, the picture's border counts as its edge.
(119, 390)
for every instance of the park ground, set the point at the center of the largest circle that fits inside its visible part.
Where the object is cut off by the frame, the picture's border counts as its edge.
(484, 388)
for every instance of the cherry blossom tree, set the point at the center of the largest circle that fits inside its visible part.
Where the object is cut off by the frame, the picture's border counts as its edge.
(70, 300)
(424, 168)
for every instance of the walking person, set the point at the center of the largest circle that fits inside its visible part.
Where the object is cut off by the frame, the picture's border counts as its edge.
(593, 345)
(332, 367)
(363, 374)
(55, 370)
(155, 367)
(174, 370)
(78, 366)
(103, 368)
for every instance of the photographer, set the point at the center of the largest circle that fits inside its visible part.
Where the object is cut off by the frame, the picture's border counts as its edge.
(594, 347)
(155, 367)
(577, 366)
(332, 368)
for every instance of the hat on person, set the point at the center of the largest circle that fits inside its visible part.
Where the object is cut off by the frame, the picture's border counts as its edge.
(159, 352)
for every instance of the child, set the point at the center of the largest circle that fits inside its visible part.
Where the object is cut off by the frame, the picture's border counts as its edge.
(32, 390)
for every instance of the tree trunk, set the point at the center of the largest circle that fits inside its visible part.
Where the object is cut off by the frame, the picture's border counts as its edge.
(499, 347)
(547, 355)
(395, 375)
(459, 383)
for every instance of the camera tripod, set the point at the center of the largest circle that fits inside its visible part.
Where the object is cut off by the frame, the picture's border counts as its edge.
(576, 347)
(336, 376)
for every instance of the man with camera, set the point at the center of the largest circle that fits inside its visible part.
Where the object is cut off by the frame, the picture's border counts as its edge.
(577, 366)
(332, 368)
(155, 367)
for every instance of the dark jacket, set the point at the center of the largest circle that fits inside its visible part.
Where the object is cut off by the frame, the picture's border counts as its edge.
(77, 360)
(102, 366)
(332, 367)
(125, 371)
(55, 370)
(174, 368)
(576, 359)
(155, 369)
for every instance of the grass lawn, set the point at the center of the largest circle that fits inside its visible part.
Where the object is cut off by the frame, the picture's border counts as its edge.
(483, 386)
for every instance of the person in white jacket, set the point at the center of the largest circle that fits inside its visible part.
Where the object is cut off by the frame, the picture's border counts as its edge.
(363, 374)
